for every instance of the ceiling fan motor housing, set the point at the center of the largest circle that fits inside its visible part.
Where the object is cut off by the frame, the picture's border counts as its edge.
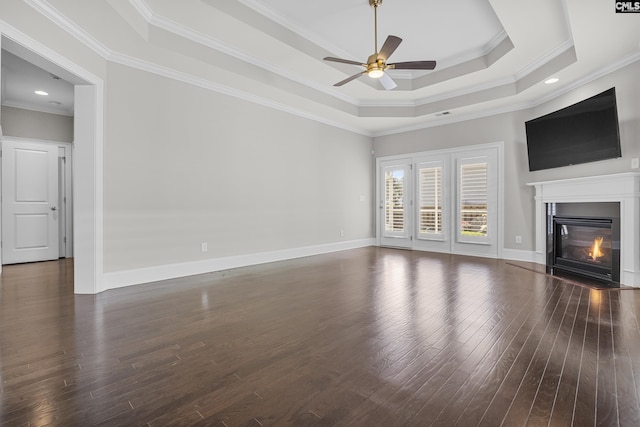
(374, 62)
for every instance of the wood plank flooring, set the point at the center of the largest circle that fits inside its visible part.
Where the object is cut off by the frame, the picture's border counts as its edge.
(367, 337)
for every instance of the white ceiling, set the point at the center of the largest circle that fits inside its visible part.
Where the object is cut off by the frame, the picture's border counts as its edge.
(493, 55)
(20, 80)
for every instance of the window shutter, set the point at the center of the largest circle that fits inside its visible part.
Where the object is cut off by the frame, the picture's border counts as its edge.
(430, 200)
(473, 199)
(394, 201)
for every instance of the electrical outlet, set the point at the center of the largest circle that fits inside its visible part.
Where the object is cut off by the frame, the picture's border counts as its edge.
(341, 233)
(518, 239)
(204, 247)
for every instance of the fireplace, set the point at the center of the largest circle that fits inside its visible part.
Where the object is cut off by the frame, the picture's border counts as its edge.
(620, 190)
(585, 245)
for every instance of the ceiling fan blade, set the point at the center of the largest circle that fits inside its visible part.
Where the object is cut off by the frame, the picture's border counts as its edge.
(344, 61)
(390, 45)
(347, 80)
(387, 82)
(413, 65)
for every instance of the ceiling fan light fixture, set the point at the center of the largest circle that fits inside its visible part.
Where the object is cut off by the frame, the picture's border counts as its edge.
(376, 73)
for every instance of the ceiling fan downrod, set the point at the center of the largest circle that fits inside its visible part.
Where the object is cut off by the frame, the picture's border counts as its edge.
(375, 4)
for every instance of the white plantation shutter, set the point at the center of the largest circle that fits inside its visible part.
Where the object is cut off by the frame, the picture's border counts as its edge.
(473, 199)
(430, 200)
(394, 208)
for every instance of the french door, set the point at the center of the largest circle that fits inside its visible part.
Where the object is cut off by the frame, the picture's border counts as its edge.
(444, 201)
(395, 213)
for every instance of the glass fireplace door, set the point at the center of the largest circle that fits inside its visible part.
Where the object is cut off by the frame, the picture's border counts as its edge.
(584, 245)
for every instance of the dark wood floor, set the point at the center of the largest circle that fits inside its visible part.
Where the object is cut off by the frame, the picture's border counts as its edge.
(368, 337)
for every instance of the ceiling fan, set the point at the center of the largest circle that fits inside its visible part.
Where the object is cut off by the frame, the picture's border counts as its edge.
(376, 64)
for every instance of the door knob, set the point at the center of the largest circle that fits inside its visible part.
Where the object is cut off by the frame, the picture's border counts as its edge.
(53, 208)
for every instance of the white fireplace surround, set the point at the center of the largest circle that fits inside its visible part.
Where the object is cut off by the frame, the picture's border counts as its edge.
(622, 187)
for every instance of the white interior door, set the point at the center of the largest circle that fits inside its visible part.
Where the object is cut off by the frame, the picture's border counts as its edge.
(29, 202)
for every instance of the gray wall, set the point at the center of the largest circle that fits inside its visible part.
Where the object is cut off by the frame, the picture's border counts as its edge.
(37, 125)
(509, 128)
(185, 165)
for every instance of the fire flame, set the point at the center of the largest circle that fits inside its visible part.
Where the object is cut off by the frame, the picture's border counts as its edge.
(595, 249)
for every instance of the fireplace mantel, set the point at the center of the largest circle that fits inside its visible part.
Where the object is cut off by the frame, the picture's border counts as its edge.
(623, 188)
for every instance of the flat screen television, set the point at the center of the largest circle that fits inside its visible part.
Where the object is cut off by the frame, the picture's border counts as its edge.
(580, 133)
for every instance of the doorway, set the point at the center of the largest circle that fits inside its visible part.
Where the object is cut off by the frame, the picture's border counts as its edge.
(87, 153)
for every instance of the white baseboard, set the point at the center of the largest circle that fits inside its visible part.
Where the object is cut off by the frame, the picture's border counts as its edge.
(519, 255)
(139, 276)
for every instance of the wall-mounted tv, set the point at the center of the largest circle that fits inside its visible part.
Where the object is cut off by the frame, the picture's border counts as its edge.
(580, 133)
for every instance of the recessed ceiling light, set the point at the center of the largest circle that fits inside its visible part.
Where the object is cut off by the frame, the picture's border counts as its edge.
(41, 93)
(55, 103)
(552, 80)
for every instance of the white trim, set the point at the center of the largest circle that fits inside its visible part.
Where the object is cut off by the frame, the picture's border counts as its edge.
(444, 151)
(38, 109)
(92, 235)
(544, 59)
(143, 9)
(212, 43)
(171, 271)
(46, 9)
(452, 118)
(519, 255)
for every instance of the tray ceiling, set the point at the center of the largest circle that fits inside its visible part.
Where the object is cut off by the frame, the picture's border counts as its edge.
(493, 55)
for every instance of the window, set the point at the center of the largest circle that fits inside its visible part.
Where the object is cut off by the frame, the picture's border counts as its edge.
(473, 200)
(430, 200)
(394, 184)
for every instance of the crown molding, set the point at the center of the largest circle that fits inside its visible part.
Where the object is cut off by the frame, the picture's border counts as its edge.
(271, 14)
(472, 54)
(190, 79)
(212, 43)
(466, 91)
(169, 25)
(43, 7)
(69, 26)
(450, 119)
(544, 59)
(39, 109)
(624, 62)
(143, 9)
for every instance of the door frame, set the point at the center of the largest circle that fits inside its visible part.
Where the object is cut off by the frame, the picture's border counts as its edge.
(448, 245)
(88, 211)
